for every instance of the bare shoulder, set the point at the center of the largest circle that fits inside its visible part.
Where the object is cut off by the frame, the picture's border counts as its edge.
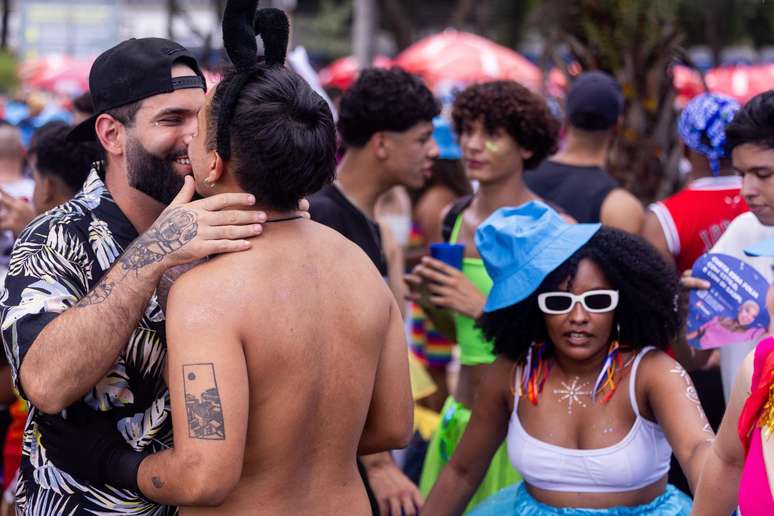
(622, 195)
(622, 210)
(502, 368)
(656, 361)
(201, 278)
(333, 244)
(656, 368)
(436, 200)
(500, 379)
(202, 293)
(621, 199)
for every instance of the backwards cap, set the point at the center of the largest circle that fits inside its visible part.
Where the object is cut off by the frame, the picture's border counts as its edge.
(134, 70)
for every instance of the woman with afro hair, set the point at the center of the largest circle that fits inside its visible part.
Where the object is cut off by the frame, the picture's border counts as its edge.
(589, 405)
(503, 128)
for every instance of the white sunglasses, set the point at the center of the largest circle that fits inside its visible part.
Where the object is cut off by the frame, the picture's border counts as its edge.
(594, 301)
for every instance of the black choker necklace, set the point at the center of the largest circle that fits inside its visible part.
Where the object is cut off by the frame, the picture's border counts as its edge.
(295, 217)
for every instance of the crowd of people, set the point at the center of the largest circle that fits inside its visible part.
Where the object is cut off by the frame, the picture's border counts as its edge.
(225, 301)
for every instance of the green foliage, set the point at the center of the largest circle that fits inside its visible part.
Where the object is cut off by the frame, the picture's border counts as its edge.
(9, 80)
(601, 29)
(327, 30)
(635, 41)
(760, 25)
(727, 22)
(510, 20)
(333, 18)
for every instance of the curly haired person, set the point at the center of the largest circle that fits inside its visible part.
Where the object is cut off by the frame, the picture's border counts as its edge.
(503, 128)
(589, 405)
(386, 125)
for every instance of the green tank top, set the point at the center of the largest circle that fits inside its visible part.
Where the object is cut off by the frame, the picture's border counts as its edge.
(474, 349)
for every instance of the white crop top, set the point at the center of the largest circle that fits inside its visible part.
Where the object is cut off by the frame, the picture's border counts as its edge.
(638, 460)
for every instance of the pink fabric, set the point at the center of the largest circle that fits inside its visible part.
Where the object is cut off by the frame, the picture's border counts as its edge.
(754, 493)
(763, 372)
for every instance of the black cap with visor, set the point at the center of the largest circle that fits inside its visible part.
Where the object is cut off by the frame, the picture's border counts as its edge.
(134, 70)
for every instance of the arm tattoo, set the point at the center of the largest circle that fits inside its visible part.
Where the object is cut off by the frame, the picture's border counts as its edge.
(172, 231)
(97, 295)
(202, 402)
(175, 229)
(693, 396)
(157, 482)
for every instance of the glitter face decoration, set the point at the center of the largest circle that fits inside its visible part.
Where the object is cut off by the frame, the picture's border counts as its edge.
(491, 146)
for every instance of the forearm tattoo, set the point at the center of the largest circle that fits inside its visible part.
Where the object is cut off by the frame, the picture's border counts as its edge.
(693, 396)
(97, 295)
(202, 402)
(171, 232)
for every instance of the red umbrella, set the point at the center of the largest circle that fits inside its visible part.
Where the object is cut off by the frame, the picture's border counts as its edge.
(59, 74)
(453, 57)
(739, 82)
(687, 83)
(343, 72)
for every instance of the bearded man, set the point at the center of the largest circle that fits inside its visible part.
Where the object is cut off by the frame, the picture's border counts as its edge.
(81, 323)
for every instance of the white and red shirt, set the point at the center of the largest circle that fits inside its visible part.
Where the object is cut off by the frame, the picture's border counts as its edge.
(695, 218)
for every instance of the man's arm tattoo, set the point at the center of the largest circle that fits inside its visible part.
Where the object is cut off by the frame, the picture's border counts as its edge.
(175, 229)
(157, 482)
(202, 402)
(171, 232)
(97, 295)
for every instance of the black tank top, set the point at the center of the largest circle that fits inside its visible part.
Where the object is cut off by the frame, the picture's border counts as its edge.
(579, 191)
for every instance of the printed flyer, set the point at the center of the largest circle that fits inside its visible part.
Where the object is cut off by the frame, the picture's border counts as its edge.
(733, 310)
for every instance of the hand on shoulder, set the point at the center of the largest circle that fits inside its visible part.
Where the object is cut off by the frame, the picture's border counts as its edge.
(190, 230)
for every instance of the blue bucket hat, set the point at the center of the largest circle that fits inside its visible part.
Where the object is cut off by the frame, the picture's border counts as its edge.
(702, 126)
(521, 246)
(448, 148)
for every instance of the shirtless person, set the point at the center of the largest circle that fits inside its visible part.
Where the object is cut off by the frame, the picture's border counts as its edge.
(274, 387)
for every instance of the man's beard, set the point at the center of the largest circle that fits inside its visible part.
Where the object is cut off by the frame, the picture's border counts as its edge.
(152, 175)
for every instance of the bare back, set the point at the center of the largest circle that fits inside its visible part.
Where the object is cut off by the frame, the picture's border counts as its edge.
(314, 317)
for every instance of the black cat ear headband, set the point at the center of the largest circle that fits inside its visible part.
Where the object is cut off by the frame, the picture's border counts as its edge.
(242, 23)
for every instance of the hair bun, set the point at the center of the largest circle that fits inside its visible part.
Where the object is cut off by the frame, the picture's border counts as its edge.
(274, 28)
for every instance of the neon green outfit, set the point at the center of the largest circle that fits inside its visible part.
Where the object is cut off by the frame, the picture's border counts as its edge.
(474, 350)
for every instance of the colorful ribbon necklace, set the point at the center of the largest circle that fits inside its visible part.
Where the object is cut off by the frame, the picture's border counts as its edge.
(534, 371)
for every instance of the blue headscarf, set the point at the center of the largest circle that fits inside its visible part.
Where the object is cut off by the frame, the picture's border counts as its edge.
(702, 126)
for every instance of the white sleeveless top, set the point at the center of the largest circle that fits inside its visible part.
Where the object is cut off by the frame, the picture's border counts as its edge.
(638, 460)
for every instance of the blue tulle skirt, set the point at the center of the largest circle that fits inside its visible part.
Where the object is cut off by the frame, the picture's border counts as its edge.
(516, 500)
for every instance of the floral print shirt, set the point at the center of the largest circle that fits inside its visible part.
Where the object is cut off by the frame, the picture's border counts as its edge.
(57, 260)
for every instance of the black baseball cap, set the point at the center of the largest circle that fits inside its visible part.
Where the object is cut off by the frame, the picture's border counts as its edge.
(134, 70)
(595, 101)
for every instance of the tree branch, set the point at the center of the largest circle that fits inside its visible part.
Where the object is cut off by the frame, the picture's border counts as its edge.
(400, 24)
(461, 13)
